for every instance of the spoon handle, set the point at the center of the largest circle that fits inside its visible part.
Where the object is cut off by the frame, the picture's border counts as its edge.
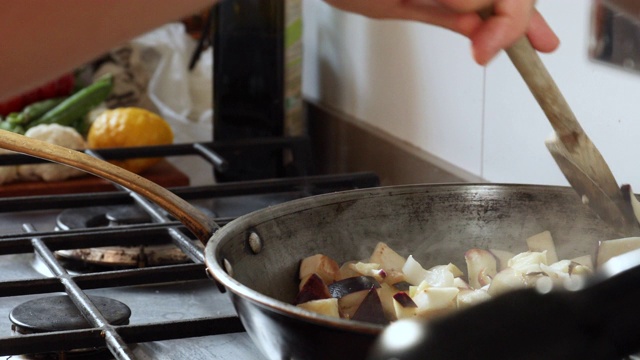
(195, 220)
(545, 91)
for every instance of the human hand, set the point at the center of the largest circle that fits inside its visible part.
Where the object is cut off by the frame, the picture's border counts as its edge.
(511, 20)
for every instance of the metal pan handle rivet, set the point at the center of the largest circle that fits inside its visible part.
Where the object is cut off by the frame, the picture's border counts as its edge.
(255, 242)
(227, 267)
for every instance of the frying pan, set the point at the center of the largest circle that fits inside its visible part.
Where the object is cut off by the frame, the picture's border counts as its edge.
(434, 223)
(256, 256)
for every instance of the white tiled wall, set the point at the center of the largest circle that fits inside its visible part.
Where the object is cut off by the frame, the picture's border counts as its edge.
(419, 84)
(397, 77)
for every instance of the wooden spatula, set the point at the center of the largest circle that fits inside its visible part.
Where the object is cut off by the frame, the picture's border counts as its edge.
(577, 157)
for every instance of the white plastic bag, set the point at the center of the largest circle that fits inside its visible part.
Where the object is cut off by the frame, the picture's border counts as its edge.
(157, 64)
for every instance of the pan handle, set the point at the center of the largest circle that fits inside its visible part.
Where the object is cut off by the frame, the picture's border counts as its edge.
(195, 220)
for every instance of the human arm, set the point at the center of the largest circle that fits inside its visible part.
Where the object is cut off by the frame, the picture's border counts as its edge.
(44, 39)
(511, 20)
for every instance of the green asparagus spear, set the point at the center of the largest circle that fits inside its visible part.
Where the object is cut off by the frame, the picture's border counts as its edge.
(78, 104)
(34, 111)
(16, 128)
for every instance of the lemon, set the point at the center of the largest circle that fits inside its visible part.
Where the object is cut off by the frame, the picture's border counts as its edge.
(128, 127)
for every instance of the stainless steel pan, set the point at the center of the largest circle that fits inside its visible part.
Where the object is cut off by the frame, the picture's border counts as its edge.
(435, 223)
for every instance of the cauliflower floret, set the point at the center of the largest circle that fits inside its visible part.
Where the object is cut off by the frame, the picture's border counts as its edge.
(8, 173)
(59, 135)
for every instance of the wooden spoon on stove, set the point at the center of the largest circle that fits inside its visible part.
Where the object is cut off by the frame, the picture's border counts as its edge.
(195, 220)
(576, 155)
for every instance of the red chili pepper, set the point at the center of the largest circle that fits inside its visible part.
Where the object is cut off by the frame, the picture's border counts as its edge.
(46, 91)
(65, 85)
(62, 86)
(14, 104)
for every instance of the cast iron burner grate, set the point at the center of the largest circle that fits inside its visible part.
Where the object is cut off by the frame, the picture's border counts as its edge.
(118, 337)
(62, 314)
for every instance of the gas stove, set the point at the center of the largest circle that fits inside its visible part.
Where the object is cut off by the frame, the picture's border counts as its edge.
(93, 275)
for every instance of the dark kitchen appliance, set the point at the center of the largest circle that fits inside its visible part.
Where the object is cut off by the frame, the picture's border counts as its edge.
(256, 81)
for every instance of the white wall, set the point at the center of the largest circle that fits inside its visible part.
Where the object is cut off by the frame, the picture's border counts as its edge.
(419, 84)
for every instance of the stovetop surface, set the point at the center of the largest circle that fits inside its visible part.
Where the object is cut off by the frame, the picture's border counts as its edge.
(184, 301)
(170, 302)
(179, 302)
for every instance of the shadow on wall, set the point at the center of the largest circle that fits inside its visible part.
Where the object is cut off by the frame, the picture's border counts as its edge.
(336, 84)
(396, 93)
(356, 80)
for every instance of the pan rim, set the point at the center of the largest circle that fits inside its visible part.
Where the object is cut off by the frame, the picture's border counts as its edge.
(215, 267)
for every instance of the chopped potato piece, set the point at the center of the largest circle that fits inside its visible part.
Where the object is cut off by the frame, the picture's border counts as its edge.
(404, 288)
(470, 297)
(480, 265)
(349, 303)
(543, 242)
(346, 271)
(390, 261)
(413, 271)
(435, 301)
(611, 248)
(506, 280)
(322, 265)
(584, 260)
(370, 269)
(404, 306)
(528, 262)
(502, 258)
(386, 293)
(327, 307)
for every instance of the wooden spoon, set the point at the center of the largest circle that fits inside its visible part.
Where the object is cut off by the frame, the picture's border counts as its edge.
(195, 220)
(576, 156)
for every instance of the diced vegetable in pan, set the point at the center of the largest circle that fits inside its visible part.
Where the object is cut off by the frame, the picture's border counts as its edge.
(389, 286)
(612, 248)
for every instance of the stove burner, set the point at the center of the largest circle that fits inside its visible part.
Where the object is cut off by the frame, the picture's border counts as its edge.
(58, 313)
(80, 218)
(98, 216)
(90, 259)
